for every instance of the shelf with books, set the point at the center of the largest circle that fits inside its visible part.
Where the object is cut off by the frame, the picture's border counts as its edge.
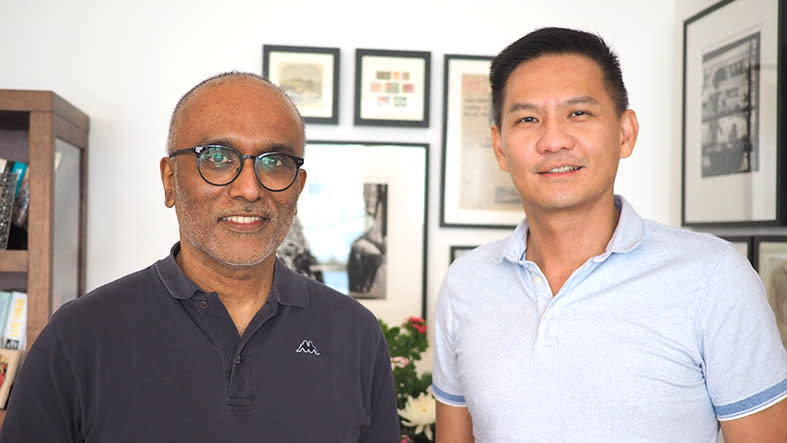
(50, 136)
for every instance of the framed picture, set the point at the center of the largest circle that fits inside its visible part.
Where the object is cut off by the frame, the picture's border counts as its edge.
(392, 88)
(770, 255)
(743, 244)
(309, 75)
(361, 224)
(475, 192)
(732, 160)
(456, 251)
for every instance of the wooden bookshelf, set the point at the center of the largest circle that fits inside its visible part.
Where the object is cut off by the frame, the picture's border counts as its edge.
(50, 135)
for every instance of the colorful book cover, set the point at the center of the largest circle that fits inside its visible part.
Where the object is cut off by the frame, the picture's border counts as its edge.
(5, 306)
(16, 325)
(9, 362)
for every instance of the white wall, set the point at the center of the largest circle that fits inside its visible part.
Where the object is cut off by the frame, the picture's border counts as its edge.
(126, 64)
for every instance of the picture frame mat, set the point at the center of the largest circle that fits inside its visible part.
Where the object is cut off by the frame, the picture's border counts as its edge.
(403, 168)
(748, 197)
(367, 109)
(325, 110)
(452, 214)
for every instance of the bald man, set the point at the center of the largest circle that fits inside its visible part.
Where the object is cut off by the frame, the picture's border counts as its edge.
(218, 341)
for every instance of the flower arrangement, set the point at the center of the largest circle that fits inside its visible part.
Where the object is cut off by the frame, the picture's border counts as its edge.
(414, 398)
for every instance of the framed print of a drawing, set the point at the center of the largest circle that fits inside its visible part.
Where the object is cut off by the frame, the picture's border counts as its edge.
(392, 88)
(474, 191)
(732, 160)
(362, 224)
(309, 76)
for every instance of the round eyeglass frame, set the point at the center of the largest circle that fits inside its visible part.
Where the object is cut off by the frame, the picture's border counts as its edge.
(198, 150)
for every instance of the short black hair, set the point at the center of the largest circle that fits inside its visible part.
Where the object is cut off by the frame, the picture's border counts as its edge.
(557, 41)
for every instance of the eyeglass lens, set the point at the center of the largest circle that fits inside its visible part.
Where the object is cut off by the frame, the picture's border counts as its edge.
(219, 166)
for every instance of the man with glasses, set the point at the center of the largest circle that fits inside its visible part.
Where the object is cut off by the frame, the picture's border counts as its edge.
(219, 341)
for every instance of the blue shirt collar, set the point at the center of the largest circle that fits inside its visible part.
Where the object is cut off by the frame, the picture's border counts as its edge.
(627, 236)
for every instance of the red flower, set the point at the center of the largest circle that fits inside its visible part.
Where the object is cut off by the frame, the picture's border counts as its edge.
(418, 323)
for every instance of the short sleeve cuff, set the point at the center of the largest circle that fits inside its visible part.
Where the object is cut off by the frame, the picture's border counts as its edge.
(753, 404)
(449, 399)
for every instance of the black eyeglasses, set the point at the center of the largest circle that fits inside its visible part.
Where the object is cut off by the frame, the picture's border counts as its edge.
(221, 165)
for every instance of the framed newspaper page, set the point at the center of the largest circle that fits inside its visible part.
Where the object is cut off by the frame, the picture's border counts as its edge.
(732, 89)
(770, 260)
(309, 76)
(392, 88)
(362, 222)
(475, 192)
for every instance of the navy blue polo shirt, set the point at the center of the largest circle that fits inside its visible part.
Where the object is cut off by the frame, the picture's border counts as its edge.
(151, 357)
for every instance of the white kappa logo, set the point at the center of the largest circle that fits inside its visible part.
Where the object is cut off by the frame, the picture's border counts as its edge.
(308, 347)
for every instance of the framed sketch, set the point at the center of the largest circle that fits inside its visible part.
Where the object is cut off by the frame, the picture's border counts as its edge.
(456, 251)
(361, 224)
(309, 75)
(474, 192)
(770, 255)
(743, 244)
(732, 159)
(392, 88)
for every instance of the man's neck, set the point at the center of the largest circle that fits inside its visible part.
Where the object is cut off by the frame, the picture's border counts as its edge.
(243, 291)
(559, 243)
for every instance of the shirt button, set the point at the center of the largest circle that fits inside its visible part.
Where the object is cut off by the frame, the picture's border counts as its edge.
(203, 304)
(537, 279)
(549, 316)
(237, 360)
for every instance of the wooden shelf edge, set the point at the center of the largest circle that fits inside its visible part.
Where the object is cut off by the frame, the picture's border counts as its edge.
(13, 260)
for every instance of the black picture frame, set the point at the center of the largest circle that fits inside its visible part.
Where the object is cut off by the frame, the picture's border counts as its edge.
(455, 251)
(392, 88)
(733, 95)
(770, 261)
(743, 243)
(482, 196)
(342, 234)
(310, 77)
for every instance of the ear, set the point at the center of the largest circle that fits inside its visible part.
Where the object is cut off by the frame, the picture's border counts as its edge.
(168, 180)
(301, 180)
(629, 128)
(497, 146)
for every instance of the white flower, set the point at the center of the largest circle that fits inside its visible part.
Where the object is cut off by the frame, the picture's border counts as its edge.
(420, 412)
(399, 362)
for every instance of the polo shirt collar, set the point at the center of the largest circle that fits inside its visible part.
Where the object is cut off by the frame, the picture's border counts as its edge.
(289, 288)
(627, 236)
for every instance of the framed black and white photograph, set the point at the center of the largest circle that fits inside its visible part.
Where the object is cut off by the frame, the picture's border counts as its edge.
(744, 245)
(392, 88)
(732, 164)
(309, 76)
(474, 192)
(770, 255)
(361, 224)
(455, 251)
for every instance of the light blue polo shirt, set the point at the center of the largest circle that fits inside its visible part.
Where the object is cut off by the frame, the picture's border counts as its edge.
(654, 340)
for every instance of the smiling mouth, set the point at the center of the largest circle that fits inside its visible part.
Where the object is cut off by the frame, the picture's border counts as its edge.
(242, 219)
(562, 169)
